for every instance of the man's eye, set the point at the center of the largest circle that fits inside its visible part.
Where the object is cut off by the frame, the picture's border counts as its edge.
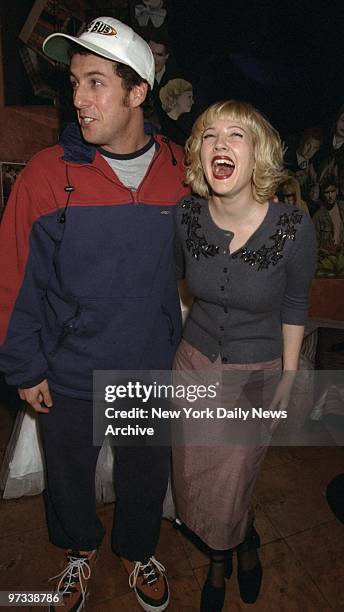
(96, 83)
(73, 84)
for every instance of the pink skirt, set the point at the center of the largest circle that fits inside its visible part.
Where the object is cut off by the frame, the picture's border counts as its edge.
(214, 484)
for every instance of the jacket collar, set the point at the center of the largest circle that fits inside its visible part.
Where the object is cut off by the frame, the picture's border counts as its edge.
(76, 150)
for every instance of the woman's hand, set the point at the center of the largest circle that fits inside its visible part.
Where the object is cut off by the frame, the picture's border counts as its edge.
(282, 395)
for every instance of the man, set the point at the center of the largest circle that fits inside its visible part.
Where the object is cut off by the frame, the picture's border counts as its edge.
(165, 69)
(161, 54)
(88, 283)
(329, 219)
(300, 161)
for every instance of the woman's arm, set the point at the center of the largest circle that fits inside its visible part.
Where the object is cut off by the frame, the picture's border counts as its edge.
(292, 342)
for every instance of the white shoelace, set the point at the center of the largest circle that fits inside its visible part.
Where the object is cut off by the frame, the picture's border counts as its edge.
(76, 570)
(149, 571)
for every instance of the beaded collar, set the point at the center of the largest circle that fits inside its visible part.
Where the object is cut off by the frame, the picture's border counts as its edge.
(197, 244)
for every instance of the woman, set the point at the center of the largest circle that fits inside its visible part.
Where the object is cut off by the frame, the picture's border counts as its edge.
(290, 193)
(176, 99)
(248, 262)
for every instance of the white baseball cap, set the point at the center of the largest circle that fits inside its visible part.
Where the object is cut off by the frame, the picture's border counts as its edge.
(109, 38)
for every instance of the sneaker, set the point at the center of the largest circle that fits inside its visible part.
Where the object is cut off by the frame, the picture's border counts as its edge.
(149, 583)
(72, 583)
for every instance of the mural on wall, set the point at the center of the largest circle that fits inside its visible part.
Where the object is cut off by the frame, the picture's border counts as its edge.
(47, 17)
(8, 174)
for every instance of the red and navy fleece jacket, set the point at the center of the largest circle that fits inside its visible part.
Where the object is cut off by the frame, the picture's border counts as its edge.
(87, 275)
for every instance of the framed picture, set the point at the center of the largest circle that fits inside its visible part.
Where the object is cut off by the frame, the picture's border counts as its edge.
(49, 16)
(8, 174)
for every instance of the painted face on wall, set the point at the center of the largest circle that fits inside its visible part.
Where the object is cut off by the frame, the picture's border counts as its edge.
(185, 101)
(330, 196)
(289, 197)
(159, 54)
(314, 193)
(310, 147)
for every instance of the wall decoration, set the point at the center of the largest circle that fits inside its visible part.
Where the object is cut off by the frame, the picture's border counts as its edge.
(8, 174)
(49, 16)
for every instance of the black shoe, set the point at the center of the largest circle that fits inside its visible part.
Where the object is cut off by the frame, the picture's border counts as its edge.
(335, 496)
(250, 580)
(212, 598)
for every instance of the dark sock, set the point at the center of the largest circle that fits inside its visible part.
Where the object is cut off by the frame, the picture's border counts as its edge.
(217, 570)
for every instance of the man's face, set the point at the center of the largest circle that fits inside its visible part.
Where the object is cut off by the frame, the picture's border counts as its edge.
(104, 109)
(310, 147)
(159, 54)
(330, 196)
(314, 192)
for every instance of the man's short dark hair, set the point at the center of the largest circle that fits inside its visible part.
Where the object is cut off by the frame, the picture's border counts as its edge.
(159, 38)
(129, 77)
(329, 181)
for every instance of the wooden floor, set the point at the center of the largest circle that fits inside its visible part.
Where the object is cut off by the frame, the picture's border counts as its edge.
(302, 543)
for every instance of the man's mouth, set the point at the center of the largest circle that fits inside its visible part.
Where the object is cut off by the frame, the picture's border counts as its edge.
(222, 167)
(85, 120)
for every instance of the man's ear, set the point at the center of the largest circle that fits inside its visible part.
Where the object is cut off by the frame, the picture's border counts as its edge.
(138, 94)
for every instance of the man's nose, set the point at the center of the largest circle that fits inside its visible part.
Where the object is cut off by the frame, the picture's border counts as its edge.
(81, 98)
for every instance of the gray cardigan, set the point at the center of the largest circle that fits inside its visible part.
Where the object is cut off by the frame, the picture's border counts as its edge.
(242, 299)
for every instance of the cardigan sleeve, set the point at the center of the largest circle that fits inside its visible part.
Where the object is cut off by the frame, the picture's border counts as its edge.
(301, 267)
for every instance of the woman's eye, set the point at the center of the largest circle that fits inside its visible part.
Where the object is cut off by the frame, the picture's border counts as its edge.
(205, 136)
(237, 134)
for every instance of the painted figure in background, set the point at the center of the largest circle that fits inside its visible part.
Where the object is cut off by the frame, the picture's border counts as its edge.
(177, 100)
(165, 69)
(329, 160)
(290, 193)
(300, 161)
(329, 219)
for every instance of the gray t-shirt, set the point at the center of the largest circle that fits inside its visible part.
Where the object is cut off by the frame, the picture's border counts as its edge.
(242, 298)
(131, 168)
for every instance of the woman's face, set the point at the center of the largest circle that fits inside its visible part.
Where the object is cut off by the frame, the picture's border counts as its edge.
(227, 158)
(289, 197)
(185, 101)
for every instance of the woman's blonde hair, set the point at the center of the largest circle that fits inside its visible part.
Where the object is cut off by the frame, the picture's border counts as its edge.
(292, 185)
(267, 147)
(169, 93)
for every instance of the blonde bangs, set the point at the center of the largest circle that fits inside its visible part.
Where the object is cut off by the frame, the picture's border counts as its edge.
(267, 145)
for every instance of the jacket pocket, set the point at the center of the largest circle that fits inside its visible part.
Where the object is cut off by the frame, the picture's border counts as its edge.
(61, 320)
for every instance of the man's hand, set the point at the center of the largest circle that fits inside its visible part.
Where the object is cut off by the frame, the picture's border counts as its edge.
(38, 397)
